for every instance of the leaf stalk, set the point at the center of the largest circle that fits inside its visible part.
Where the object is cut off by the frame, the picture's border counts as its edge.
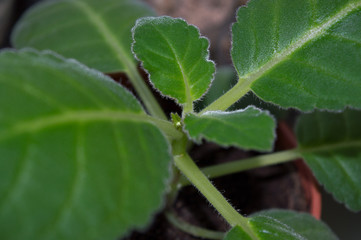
(202, 183)
(144, 93)
(247, 164)
(229, 98)
(192, 229)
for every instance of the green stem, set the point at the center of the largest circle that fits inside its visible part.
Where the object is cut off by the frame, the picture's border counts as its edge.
(187, 107)
(167, 127)
(174, 188)
(202, 183)
(144, 92)
(230, 97)
(247, 164)
(193, 230)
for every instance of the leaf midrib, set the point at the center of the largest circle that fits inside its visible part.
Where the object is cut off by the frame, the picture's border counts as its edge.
(238, 129)
(84, 116)
(75, 186)
(181, 68)
(330, 147)
(309, 35)
(104, 31)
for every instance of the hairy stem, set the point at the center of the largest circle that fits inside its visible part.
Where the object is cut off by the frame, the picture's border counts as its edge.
(167, 127)
(247, 164)
(144, 93)
(192, 229)
(187, 107)
(230, 97)
(142, 89)
(202, 183)
(174, 188)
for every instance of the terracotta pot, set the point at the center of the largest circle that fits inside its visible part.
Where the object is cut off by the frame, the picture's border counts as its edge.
(287, 140)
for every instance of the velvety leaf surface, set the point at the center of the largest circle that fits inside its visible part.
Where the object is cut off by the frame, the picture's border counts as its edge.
(302, 54)
(331, 145)
(304, 224)
(250, 128)
(77, 153)
(283, 225)
(237, 233)
(175, 56)
(97, 33)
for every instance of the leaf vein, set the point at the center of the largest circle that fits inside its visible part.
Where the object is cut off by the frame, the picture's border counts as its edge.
(184, 77)
(255, 49)
(108, 36)
(124, 169)
(276, 24)
(345, 38)
(74, 187)
(23, 165)
(352, 181)
(310, 35)
(53, 30)
(151, 50)
(40, 123)
(36, 94)
(324, 71)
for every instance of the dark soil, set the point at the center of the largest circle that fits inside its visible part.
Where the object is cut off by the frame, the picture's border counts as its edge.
(250, 191)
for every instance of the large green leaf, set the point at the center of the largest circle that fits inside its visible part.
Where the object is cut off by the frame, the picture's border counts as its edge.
(175, 56)
(97, 33)
(78, 155)
(283, 225)
(301, 54)
(250, 128)
(331, 145)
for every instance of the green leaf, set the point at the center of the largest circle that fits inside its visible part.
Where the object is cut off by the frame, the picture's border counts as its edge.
(303, 223)
(237, 233)
(249, 128)
(175, 56)
(331, 145)
(302, 54)
(78, 155)
(283, 225)
(97, 33)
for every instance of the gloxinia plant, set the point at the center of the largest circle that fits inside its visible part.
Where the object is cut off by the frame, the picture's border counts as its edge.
(83, 158)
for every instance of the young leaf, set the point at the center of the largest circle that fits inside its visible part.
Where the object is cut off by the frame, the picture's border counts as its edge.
(97, 33)
(175, 56)
(302, 54)
(249, 128)
(331, 145)
(282, 225)
(78, 155)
